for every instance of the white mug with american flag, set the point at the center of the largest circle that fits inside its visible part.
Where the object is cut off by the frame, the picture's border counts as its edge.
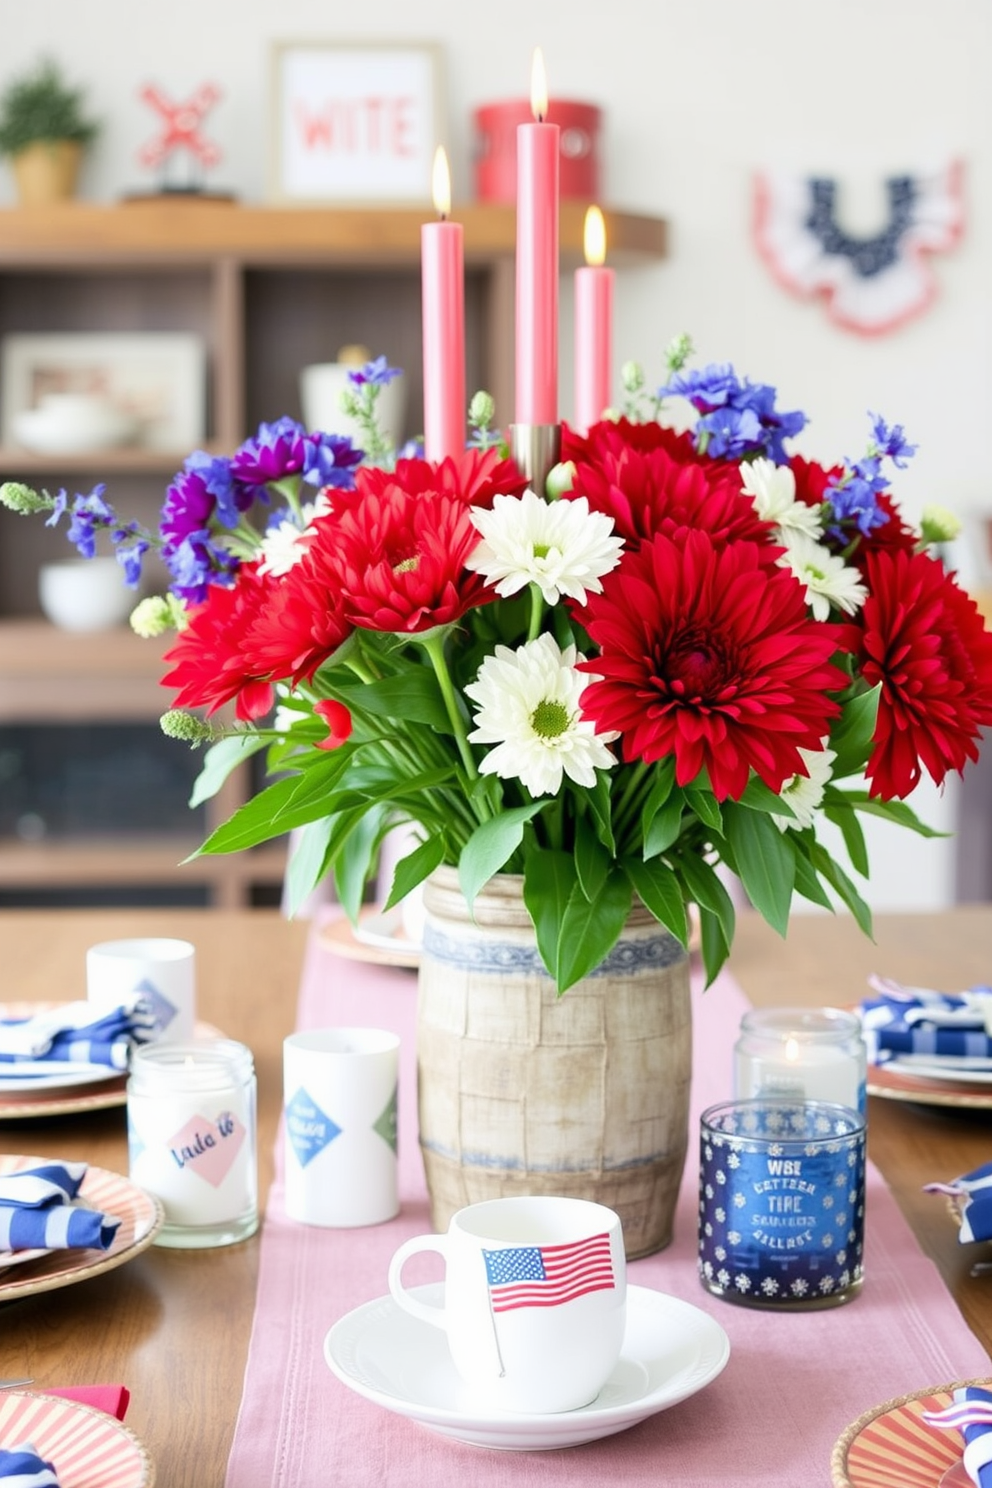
(534, 1300)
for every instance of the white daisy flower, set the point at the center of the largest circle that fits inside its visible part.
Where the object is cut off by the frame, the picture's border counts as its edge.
(529, 709)
(561, 546)
(804, 793)
(285, 543)
(772, 489)
(828, 579)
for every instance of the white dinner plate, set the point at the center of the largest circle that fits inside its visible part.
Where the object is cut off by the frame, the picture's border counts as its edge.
(70, 1074)
(670, 1350)
(958, 1073)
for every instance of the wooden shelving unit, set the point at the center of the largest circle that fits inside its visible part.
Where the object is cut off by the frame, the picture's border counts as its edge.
(269, 290)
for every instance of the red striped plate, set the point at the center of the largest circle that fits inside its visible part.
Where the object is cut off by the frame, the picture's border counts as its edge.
(892, 1447)
(88, 1448)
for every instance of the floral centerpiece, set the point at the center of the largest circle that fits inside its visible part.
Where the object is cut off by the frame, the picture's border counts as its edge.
(689, 651)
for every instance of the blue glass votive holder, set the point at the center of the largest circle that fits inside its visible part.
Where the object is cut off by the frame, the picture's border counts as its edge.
(782, 1203)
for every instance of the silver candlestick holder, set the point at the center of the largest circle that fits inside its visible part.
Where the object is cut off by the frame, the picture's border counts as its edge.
(536, 448)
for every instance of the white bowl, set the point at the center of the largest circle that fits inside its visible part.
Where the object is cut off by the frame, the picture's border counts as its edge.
(73, 423)
(85, 594)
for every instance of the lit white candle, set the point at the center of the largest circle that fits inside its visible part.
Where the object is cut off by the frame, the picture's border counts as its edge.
(593, 326)
(801, 1054)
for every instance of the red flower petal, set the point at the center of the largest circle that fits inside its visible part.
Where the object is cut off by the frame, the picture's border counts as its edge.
(338, 720)
(710, 657)
(212, 666)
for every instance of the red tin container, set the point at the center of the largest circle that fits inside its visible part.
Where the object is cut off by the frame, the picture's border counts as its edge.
(496, 147)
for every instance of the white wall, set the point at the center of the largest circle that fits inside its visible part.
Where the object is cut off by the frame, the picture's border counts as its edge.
(697, 97)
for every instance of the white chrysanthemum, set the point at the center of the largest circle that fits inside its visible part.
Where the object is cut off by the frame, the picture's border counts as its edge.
(561, 546)
(772, 489)
(804, 793)
(828, 579)
(528, 707)
(285, 542)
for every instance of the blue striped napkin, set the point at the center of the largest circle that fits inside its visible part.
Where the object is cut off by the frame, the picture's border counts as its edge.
(70, 1033)
(915, 1020)
(37, 1211)
(971, 1414)
(21, 1465)
(974, 1194)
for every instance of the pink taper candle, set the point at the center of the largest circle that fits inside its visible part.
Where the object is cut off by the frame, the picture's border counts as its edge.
(593, 327)
(537, 261)
(443, 284)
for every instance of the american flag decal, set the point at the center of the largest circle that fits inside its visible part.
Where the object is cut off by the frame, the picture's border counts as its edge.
(548, 1275)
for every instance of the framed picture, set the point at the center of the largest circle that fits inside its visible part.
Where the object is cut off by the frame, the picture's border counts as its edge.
(355, 122)
(58, 392)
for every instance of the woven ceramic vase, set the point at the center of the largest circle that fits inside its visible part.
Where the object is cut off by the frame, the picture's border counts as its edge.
(524, 1092)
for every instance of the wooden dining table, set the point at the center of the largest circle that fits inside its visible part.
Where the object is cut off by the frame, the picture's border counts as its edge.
(174, 1325)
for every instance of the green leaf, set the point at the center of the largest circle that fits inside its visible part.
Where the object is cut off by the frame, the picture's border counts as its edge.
(706, 889)
(218, 762)
(592, 861)
(759, 797)
(412, 869)
(491, 845)
(842, 885)
(549, 879)
(353, 854)
(852, 734)
(590, 929)
(844, 819)
(705, 806)
(661, 789)
(666, 825)
(412, 695)
(253, 822)
(659, 890)
(713, 942)
(307, 863)
(900, 814)
(599, 802)
(807, 882)
(765, 862)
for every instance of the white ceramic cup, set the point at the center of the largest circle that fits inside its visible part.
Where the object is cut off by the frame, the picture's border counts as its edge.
(340, 1089)
(535, 1292)
(85, 594)
(162, 970)
(321, 387)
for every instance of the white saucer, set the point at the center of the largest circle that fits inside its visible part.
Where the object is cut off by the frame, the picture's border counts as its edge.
(671, 1349)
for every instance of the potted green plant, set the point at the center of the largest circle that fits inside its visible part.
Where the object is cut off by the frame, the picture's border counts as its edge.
(44, 130)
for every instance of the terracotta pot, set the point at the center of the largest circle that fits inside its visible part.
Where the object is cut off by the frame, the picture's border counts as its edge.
(524, 1092)
(47, 171)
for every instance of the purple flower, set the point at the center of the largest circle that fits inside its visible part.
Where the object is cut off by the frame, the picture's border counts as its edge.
(195, 563)
(379, 373)
(853, 495)
(891, 442)
(215, 473)
(87, 515)
(330, 461)
(189, 505)
(737, 419)
(277, 450)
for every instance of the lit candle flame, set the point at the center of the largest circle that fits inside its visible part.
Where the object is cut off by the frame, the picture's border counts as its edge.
(792, 1050)
(594, 237)
(441, 183)
(538, 87)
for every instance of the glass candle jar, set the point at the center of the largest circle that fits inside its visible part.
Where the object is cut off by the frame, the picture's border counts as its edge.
(191, 1139)
(801, 1054)
(781, 1203)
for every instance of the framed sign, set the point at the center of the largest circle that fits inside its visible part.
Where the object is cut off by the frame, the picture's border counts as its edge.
(355, 122)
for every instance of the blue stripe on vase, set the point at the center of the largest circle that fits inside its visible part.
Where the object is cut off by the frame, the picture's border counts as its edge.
(517, 1165)
(494, 956)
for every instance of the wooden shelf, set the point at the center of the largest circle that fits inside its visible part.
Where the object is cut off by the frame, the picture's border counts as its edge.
(106, 462)
(160, 230)
(65, 676)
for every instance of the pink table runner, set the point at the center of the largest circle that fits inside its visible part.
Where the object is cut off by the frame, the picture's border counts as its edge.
(793, 1383)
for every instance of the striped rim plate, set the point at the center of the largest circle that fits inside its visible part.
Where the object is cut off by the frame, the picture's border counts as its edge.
(88, 1448)
(141, 1217)
(892, 1447)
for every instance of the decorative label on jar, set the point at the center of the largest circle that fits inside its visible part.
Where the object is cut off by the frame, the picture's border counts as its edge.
(781, 1202)
(208, 1147)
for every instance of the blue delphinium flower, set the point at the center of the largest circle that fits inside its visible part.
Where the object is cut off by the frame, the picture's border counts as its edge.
(331, 460)
(736, 419)
(285, 448)
(853, 495)
(378, 372)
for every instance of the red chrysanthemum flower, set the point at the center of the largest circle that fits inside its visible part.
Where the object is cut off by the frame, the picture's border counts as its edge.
(650, 479)
(305, 620)
(400, 551)
(924, 640)
(709, 657)
(210, 663)
(475, 476)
